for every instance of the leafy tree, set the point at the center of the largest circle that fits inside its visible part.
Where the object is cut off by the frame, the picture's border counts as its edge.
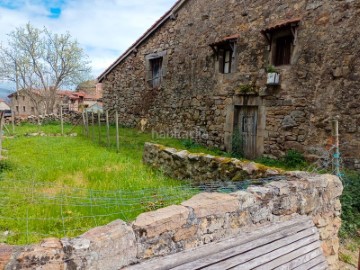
(41, 62)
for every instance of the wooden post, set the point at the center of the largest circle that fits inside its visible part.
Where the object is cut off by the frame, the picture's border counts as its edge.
(117, 131)
(13, 119)
(87, 124)
(84, 122)
(93, 126)
(1, 131)
(99, 126)
(337, 151)
(61, 120)
(107, 128)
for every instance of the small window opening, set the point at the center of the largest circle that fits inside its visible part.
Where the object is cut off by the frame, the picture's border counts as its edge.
(283, 48)
(156, 71)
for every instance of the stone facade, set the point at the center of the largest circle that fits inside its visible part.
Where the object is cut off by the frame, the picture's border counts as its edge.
(197, 100)
(205, 218)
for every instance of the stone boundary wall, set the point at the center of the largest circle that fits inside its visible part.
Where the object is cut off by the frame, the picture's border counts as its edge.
(71, 118)
(181, 164)
(204, 218)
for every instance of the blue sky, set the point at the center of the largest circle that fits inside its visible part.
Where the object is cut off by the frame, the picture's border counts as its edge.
(104, 28)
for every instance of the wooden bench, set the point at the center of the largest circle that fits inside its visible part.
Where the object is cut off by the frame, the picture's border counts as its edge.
(291, 244)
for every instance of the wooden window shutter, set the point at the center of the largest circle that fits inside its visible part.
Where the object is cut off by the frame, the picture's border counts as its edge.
(221, 60)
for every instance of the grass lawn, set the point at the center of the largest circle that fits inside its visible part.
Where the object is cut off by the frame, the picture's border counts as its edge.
(63, 186)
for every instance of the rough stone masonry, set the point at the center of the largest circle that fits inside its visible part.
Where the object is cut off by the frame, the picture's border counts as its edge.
(205, 218)
(199, 100)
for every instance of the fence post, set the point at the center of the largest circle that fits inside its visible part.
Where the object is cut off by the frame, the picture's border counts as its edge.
(61, 120)
(87, 124)
(117, 131)
(99, 126)
(84, 122)
(92, 127)
(337, 150)
(1, 131)
(107, 128)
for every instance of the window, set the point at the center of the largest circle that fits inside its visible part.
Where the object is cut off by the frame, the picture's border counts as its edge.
(32, 110)
(225, 50)
(282, 50)
(156, 71)
(155, 68)
(16, 98)
(17, 108)
(24, 109)
(282, 39)
(225, 59)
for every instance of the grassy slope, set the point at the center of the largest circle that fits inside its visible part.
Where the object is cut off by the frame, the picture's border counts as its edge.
(65, 185)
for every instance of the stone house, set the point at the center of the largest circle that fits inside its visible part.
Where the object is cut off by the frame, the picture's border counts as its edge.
(25, 105)
(201, 72)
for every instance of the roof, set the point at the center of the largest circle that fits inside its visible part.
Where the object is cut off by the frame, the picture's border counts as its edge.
(34, 91)
(3, 105)
(226, 39)
(76, 95)
(281, 24)
(168, 15)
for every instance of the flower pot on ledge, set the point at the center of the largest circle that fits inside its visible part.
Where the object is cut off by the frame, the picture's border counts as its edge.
(273, 78)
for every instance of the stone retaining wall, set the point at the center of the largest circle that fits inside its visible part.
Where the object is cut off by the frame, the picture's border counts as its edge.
(181, 164)
(205, 218)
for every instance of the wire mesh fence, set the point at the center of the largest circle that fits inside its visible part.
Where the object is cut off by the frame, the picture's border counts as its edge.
(30, 211)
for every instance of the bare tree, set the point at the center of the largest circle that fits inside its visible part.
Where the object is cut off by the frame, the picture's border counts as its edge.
(41, 63)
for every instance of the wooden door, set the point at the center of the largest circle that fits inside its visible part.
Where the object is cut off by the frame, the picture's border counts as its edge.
(245, 130)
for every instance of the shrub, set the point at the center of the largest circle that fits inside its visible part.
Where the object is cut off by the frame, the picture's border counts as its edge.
(350, 202)
(237, 144)
(190, 144)
(294, 159)
(5, 165)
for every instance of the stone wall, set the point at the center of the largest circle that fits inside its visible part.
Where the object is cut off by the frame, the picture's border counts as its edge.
(202, 168)
(194, 98)
(205, 218)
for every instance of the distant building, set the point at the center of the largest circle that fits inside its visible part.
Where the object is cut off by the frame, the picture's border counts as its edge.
(25, 104)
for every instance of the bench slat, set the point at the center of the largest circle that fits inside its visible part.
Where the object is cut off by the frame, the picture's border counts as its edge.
(310, 264)
(301, 259)
(321, 266)
(244, 247)
(286, 257)
(267, 253)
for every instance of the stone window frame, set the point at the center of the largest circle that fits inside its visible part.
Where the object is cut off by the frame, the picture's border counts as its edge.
(154, 59)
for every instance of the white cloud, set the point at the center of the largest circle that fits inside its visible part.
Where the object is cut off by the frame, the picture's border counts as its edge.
(105, 29)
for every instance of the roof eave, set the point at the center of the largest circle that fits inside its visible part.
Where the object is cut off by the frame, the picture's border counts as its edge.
(151, 30)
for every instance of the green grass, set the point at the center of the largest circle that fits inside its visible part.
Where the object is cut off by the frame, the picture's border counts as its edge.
(63, 186)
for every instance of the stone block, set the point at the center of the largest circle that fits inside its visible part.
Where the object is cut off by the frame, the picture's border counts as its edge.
(155, 223)
(209, 204)
(46, 256)
(185, 234)
(5, 254)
